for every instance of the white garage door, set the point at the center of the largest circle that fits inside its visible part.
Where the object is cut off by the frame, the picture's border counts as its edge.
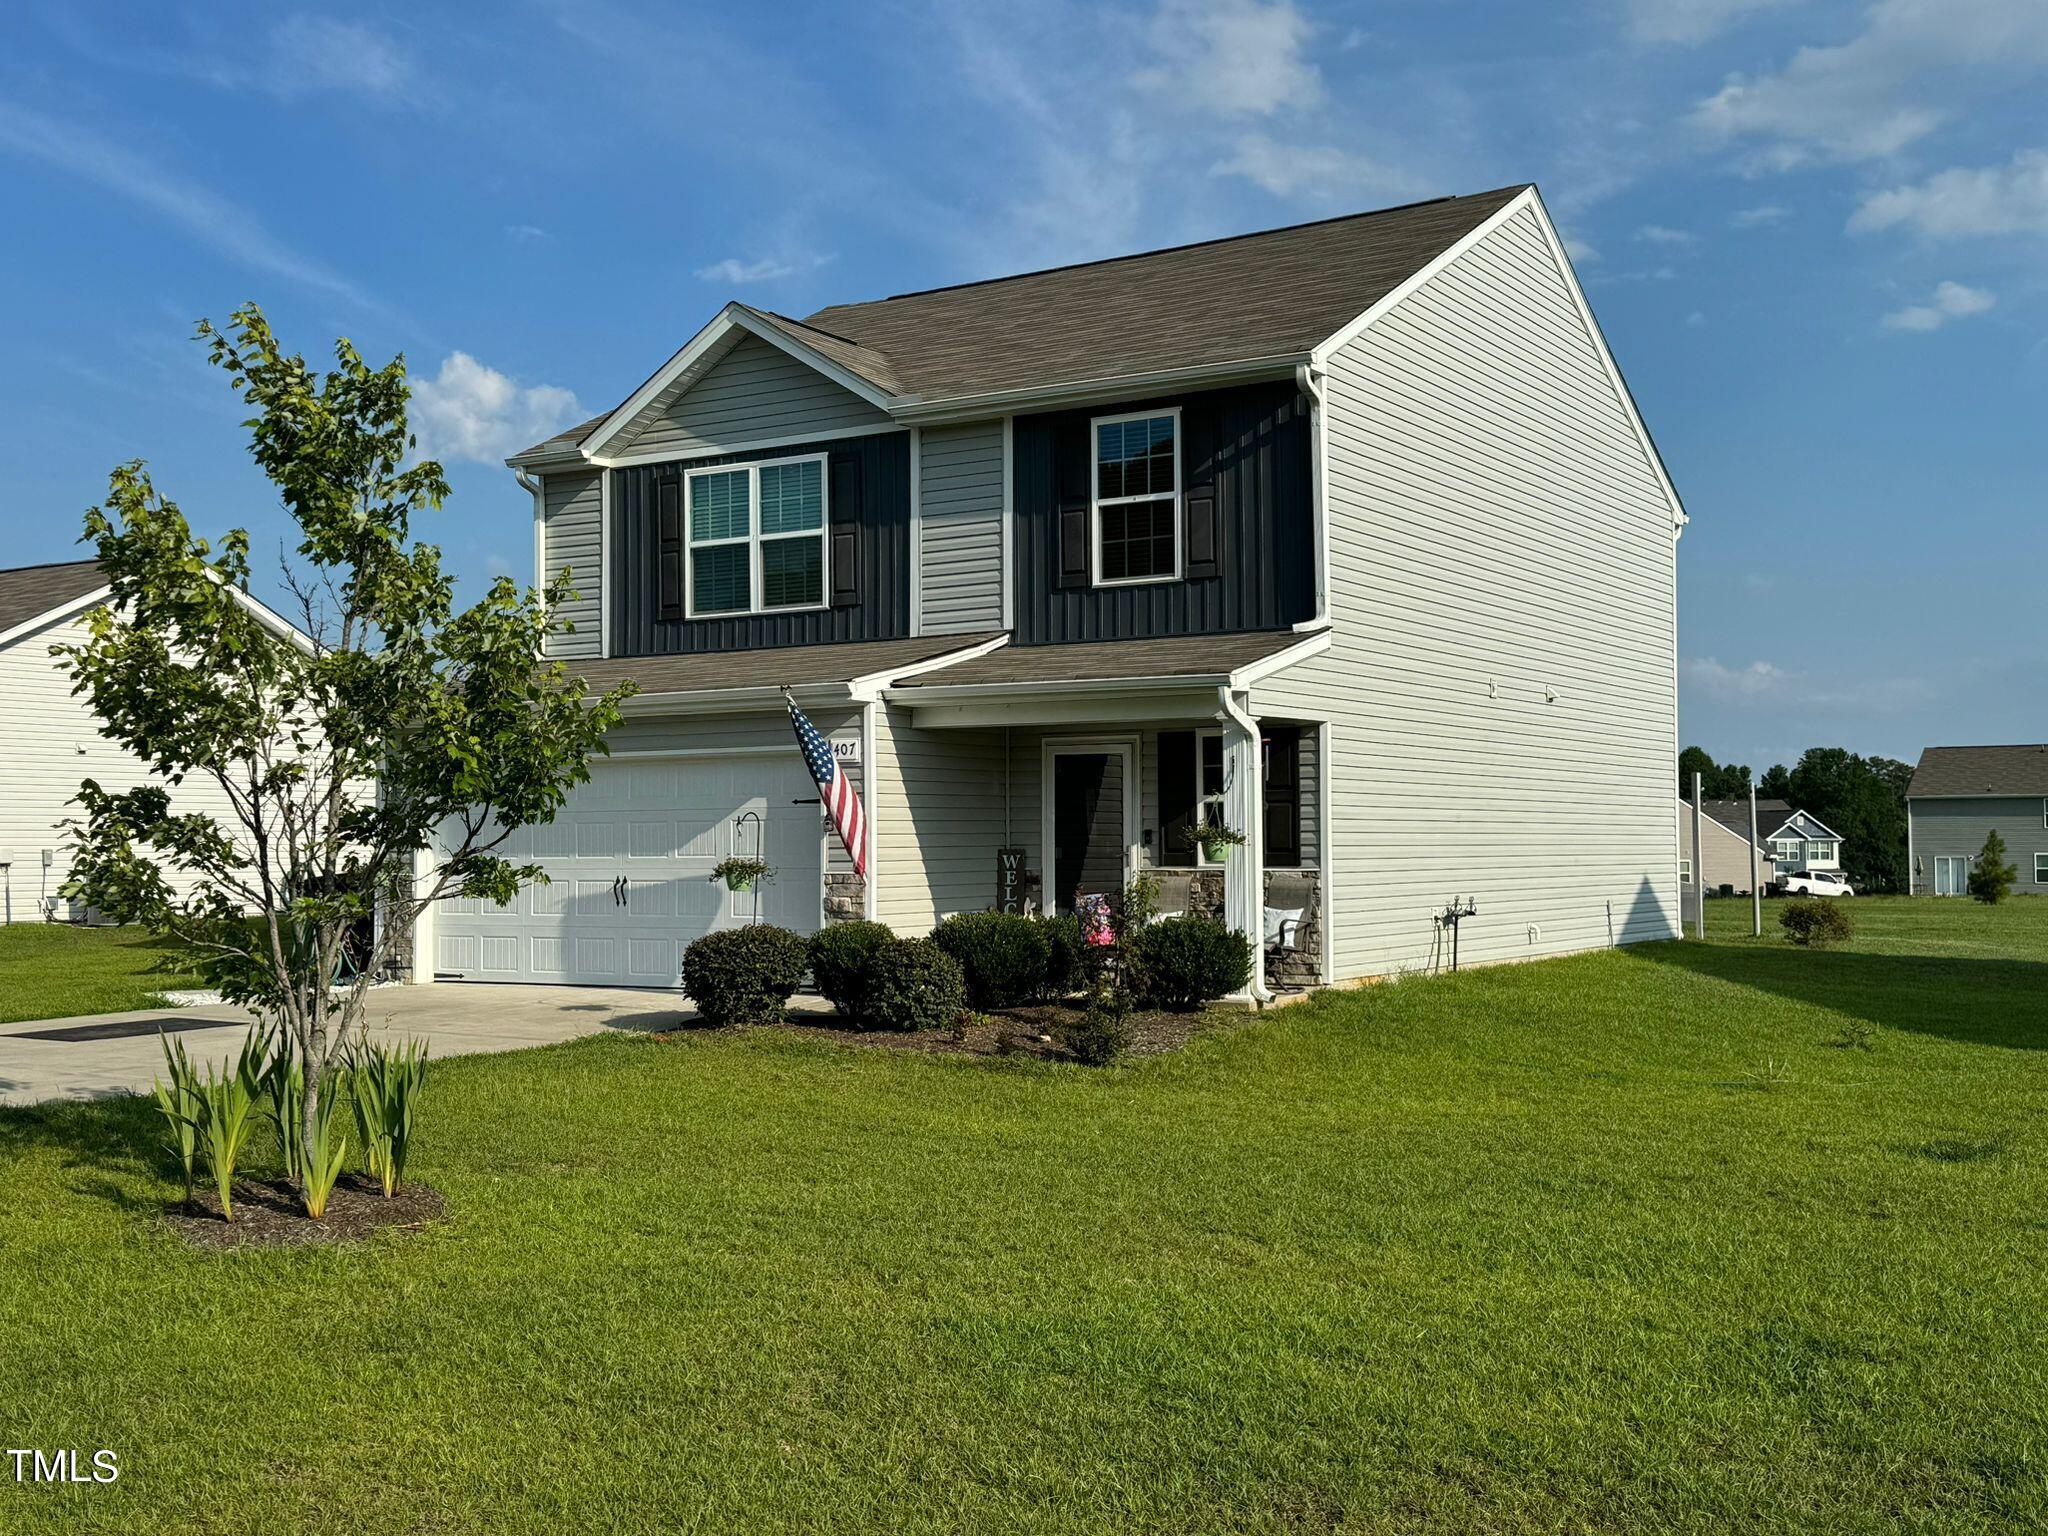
(629, 860)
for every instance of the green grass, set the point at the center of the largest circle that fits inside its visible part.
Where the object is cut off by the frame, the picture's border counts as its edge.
(52, 970)
(1619, 1242)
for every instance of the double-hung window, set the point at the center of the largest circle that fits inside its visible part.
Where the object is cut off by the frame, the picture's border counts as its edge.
(757, 538)
(1135, 506)
(2041, 869)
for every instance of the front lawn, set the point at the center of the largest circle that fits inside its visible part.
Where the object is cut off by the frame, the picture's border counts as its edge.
(53, 970)
(1621, 1242)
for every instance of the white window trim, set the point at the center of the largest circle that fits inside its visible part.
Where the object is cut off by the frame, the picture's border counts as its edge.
(754, 538)
(1096, 501)
(1202, 799)
(2041, 869)
(1685, 871)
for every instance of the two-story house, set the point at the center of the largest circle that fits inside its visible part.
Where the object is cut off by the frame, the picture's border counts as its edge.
(1345, 536)
(1961, 794)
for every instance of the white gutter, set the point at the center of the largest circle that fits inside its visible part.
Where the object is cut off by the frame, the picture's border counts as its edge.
(1254, 843)
(1308, 378)
(532, 486)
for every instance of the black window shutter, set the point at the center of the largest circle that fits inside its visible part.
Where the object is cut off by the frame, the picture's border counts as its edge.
(1283, 797)
(1200, 529)
(848, 487)
(1176, 798)
(1073, 474)
(668, 546)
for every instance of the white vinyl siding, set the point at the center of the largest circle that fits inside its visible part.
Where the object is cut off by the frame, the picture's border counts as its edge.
(960, 482)
(1501, 681)
(572, 537)
(754, 393)
(938, 814)
(53, 742)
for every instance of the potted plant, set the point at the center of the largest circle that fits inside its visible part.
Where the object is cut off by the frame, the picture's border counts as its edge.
(1217, 841)
(740, 874)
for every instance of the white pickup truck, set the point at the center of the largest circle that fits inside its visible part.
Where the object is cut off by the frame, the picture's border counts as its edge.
(1817, 882)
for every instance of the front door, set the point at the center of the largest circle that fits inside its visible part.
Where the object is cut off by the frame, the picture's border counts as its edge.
(1090, 832)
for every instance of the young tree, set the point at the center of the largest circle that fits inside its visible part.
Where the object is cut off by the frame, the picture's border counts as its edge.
(1991, 880)
(399, 725)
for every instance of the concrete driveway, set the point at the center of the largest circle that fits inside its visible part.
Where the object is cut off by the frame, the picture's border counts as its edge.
(111, 1053)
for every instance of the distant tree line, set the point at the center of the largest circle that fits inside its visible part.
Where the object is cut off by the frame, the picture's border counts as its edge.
(1861, 798)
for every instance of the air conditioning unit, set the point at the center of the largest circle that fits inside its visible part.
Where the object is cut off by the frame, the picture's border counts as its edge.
(85, 916)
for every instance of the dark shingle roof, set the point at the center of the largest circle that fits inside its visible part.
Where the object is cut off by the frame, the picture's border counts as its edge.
(2016, 770)
(33, 590)
(1734, 815)
(1190, 656)
(1245, 299)
(801, 666)
(1249, 297)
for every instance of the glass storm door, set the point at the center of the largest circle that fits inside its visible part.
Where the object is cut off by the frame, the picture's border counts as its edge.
(1090, 844)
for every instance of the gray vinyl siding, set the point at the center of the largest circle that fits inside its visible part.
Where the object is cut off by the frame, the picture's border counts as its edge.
(740, 732)
(1952, 827)
(1497, 530)
(572, 535)
(960, 486)
(755, 392)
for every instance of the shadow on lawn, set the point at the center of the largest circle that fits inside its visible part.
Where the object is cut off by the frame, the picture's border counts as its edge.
(1976, 1002)
(104, 1137)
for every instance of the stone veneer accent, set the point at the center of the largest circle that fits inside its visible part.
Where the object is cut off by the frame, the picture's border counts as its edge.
(845, 896)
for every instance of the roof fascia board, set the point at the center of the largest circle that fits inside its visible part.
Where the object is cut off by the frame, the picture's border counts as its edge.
(1121, 386)
(1254, 672)
(958, 693)
(754, 445)
(838, 373)
(871, 685)
(713, 332)
(725, 701)
(283, 628)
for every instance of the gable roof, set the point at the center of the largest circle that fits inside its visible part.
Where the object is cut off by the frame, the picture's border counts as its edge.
(30, 591)
(1772, 817)
(1959, 771)
(1263, 300)
(1272, 295)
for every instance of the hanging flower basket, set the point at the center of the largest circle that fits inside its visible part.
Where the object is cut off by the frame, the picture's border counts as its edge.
(1218, 841)
(740, 874)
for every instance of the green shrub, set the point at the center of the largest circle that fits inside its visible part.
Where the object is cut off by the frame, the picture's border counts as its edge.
(1066, 957)
(1002, 956)
(387, 1082)
(1095, 1037)
(744, 975)
(913, 984)
(1815, 924)
(1184, 962)
(840, 957)
(181, 1105)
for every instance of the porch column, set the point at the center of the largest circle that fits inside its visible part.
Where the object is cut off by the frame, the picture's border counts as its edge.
(1244, 800)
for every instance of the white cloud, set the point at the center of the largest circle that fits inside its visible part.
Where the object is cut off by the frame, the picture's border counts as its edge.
(203, 214)
(525, 234)
(1757, 218)
(1663, 234)
(1911, 68)
(1764, 684)
(1688, 21)
(1313, 171)
(1950, 301)
(765, 269)
(471, 411)
(1241, 58)
(314, 53)
(1957, 204)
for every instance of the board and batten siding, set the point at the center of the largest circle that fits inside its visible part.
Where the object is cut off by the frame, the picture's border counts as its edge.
(960, 488)
(753, 393)
(1956, 827)
(572, 536)
(1500, 684)
(53, 742)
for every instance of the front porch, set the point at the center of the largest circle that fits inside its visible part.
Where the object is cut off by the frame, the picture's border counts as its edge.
(1028, 793)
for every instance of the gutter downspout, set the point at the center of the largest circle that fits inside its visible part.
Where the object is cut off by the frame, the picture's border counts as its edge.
(1309, 380)
(532, 487)
(1254, 843)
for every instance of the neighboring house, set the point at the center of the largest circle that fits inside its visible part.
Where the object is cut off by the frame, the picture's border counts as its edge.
(1960, 794)
(1796, 840)
(53, 741)
(1730, 858)
(1345, 535)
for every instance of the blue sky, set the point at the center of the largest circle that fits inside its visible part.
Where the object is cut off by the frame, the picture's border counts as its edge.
(1813, 230)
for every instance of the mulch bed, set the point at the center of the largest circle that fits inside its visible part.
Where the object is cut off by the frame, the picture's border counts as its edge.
(268, 1214)
(1030, 1031)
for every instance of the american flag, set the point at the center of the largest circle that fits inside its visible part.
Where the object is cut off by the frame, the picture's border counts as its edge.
(835, 789)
